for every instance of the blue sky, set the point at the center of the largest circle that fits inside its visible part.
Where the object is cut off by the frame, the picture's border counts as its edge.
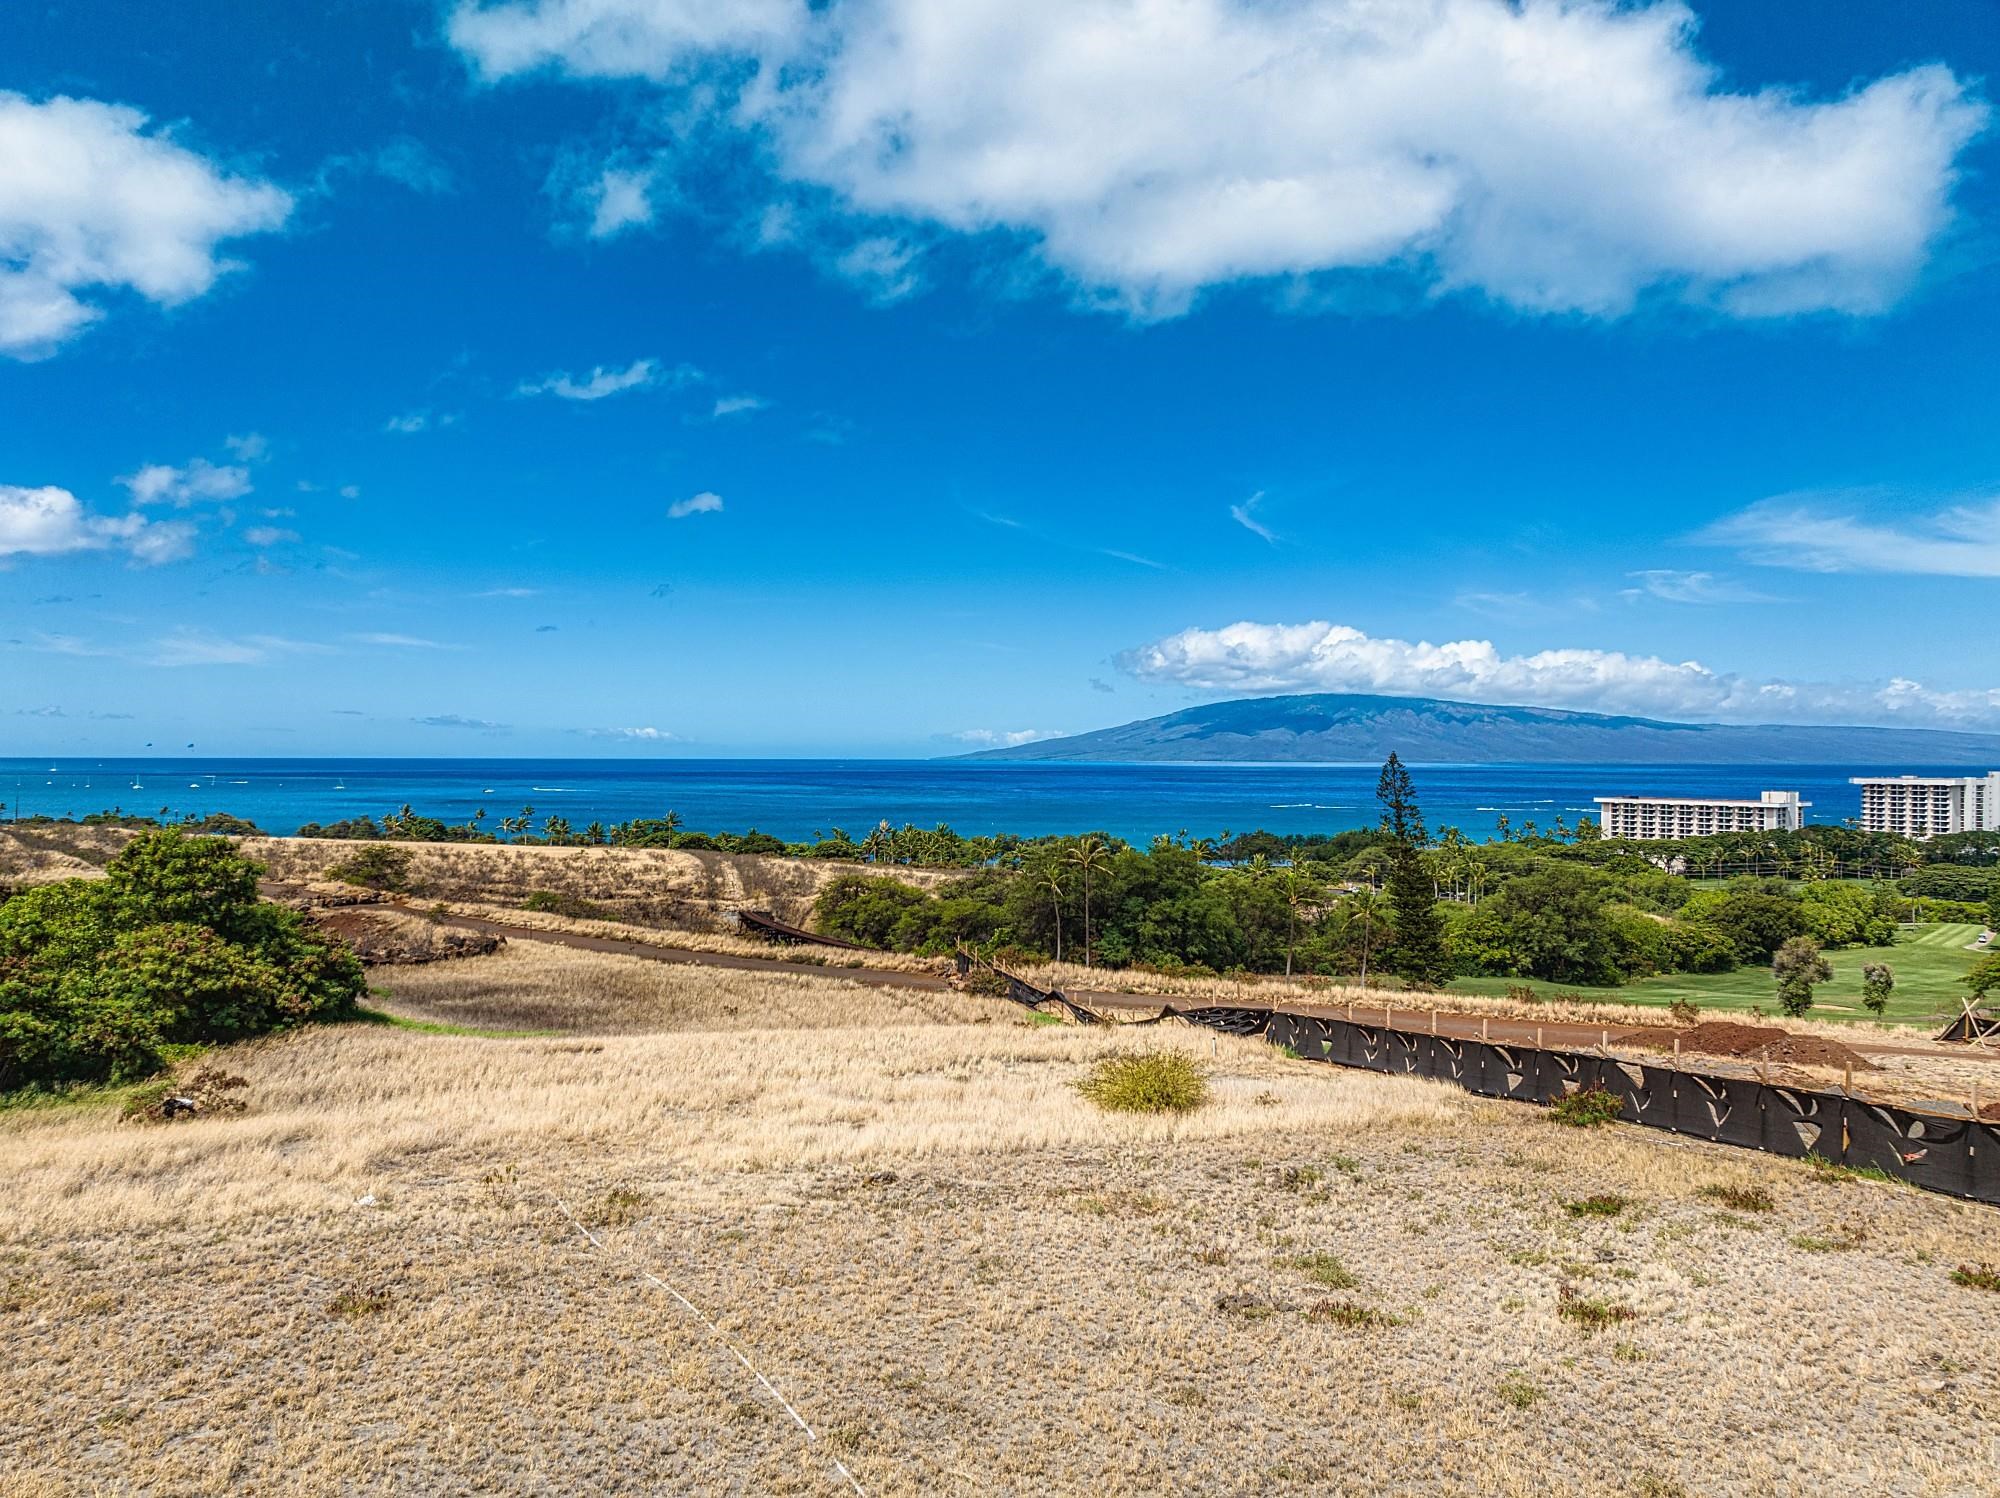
(687, 377)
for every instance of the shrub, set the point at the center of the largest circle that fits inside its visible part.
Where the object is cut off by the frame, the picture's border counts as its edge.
(553, 902)
(1587, 1107)
(99, 978)
(1684, 1011)
(1161, 1082)
(377, 866)
(1798, 967)
(1976, 1277)
(1519, 1390)
(1878, 981)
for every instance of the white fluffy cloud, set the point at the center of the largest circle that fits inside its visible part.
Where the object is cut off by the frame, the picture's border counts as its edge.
(1000, 738)
(1320, 657)
(49, 522)
(1834, 533)
(703, 503)
(91, 200)
(162, 483)
(633, 735)
(596, 385)
(1556, 155)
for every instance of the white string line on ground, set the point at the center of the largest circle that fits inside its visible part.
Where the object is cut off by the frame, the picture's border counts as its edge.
(716, 1332)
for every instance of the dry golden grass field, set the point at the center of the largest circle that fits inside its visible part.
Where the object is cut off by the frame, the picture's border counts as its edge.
(964, 1277)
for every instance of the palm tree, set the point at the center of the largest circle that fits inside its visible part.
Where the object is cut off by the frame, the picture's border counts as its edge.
(1051, 880)
(670, 825)
(1089, 854)
(1301, 891)
(1366, 905)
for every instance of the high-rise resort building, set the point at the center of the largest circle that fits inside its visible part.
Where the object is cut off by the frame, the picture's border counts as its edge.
(1930, 805)
(1699, 816)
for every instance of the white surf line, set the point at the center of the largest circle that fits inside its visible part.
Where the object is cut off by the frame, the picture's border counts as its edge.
(715, 1331)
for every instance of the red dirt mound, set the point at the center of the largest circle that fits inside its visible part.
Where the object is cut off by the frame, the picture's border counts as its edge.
(390, 937)
(1752, 1043)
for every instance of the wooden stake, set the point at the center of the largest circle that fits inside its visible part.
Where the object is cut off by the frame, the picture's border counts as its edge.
(1386, 1021)
(1677, 1053)
(1484, 1021)
(1434, 1022)
(1538, 1037)
(1847, 1080)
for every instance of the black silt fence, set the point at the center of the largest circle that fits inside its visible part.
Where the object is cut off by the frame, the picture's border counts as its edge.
(1956, 1156)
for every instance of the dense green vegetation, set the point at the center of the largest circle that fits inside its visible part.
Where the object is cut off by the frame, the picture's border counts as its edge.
(1557, 906)
(101, 979)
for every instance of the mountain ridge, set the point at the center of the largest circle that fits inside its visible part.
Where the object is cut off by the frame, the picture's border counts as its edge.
(1359, 728)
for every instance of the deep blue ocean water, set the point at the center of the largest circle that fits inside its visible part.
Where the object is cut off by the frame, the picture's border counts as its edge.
(793, 799)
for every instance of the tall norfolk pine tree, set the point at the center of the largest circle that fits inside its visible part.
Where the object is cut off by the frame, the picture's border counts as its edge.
(1418, 954)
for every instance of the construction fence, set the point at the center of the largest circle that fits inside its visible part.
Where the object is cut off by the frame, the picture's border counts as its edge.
(1955, 1154)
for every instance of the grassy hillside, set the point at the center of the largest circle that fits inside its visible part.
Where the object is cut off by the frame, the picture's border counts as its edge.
(1928, 962)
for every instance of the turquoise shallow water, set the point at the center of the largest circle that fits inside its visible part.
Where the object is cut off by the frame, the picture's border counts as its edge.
(795, 798)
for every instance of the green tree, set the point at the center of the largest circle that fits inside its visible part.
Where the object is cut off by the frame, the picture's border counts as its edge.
(1798, 966)
(1418, 955)
(1877, 981)
(1090, 854)
(1983, 978)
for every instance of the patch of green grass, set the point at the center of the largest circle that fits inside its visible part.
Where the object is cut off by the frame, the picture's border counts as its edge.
(1603, 1204)
(1593, 1313)
(1812, 1244)
(1158, 1082)
(1324, 1269)
(365, 1016)
(1349, 1315)
(1929, 960)
(1741, 1198)
(1519, 1390)
(352, 1305)
(1041, 1021)
(1827, 1170)
(1976, 1277)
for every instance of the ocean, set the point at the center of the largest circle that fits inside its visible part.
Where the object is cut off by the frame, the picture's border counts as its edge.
(794, 799)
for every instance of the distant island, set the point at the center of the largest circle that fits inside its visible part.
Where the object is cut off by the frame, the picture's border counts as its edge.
(1349, 728)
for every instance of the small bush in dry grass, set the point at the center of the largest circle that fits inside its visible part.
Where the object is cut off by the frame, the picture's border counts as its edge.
(1215, 1253)
(1519, 1390)
(1976, 1277)
(1324, 1269)
(556, 902)
(1684, 1011)
(1587, 1107)
(1593, 1313)
(1348, 1315)
(352, 1305)
(1603, 1204)
(374, 866)
(1741, 1198)
(1163, 1082)
(1521, 993)
(621, 1207)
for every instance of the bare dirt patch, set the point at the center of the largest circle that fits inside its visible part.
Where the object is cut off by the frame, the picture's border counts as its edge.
(1751, 1043)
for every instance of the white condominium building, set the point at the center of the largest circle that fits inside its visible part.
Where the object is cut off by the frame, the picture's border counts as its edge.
(1930, 805)
(1689, 816)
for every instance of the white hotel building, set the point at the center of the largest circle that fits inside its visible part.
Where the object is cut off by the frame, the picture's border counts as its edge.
(1930, 805)
(1679, 816)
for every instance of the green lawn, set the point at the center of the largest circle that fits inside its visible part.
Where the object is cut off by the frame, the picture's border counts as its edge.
(1928, 962)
